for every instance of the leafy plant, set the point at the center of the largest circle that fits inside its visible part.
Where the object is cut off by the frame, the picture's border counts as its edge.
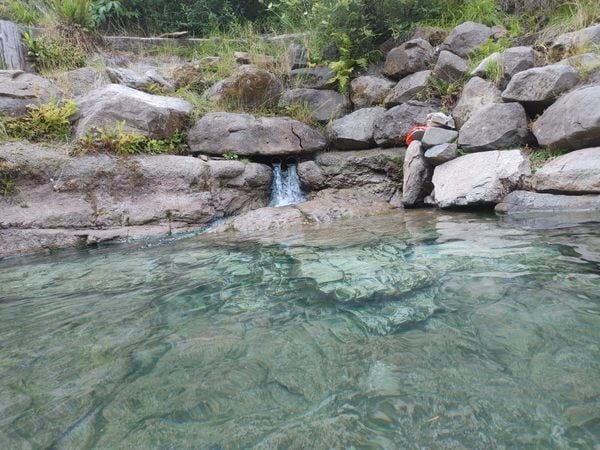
(49, 121)
(78, 13)
(540, 157)
(447, 92)
(495, 72)
(20, 11)
(53, 52)
(8, 173)
(118, 141)
(230, 156)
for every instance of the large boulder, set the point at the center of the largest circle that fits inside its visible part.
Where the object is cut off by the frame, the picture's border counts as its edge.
(82, 81)
(527, 202)
(476, 93)
(574, 173)
(511, 62)
(368, 90)
(320, 77)
(572, 122)
(417, 175)
(565, 43)
(249, 88)
(377, 170)
(13, 55)
(410, 57)
(154, 116)
(19, 89)
(135, 80)
(408, 88)
(450, 67)
(538, 87)
(323, 105)
(355, 131)
(494, 127)
(466, 37)
(243, 134)
(391, 129)
(479, 179)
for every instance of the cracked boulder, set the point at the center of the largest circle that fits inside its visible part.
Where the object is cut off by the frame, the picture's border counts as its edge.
(480, 178)
(572, 122)
(218, 133)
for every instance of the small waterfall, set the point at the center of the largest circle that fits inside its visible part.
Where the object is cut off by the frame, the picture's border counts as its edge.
(286, 186)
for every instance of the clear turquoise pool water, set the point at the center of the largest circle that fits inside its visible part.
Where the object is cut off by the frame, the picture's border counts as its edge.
(418, 330)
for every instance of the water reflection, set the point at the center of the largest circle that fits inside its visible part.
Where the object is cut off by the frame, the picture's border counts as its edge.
(422, 329)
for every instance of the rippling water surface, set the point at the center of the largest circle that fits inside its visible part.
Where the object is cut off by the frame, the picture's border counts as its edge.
(417, 330)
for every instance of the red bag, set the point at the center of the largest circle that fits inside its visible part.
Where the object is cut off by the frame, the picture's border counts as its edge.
(415, 133)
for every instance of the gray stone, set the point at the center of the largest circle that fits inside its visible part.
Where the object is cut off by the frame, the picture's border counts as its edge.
(572, 122)
(154, 116)
(391, 129)
(480, 178)
(435, 136)
(476, 93)
(482, 68)
(417, 175)
(440, 120)
(132, 79)
(243, 134)
(441, 154)
(407, 88)
(248, 87)
(527, 202)
(319, 77)
(82, 81)
(355, 131)
(576, 172)
(366, 90)
(587, 65)
(311, 176)
(539, 87)
(296, 57)
(19, 89)
(466, 37)
(434, 35)
(324, 105)
(565, 43)
(517, 59)
(494, 127)
(450, 67)
(13, 54)
(412, 56)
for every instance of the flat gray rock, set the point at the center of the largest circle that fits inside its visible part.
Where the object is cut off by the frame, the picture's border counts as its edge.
(355, 131)
(243, 134)
(135, 80)
(526, 202)
(495, 126)
(407, 88)
(572, 122)
(479, 179)
(324, 105)
(576, 172)
(441, 154)
(435, 136)
(154, 116)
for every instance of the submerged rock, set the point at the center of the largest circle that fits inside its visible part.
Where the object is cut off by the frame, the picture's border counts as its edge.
(243, 134)
(480, 178)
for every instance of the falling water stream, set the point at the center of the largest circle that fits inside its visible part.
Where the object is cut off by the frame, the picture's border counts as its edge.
(420, 329)
(286, 188)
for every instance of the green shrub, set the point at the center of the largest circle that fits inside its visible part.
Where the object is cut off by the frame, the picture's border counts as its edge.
(447, 92)
(53, 52)
(120, 142)
(8, 174)
(20, 11)
(77, 13)
(50, 121)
